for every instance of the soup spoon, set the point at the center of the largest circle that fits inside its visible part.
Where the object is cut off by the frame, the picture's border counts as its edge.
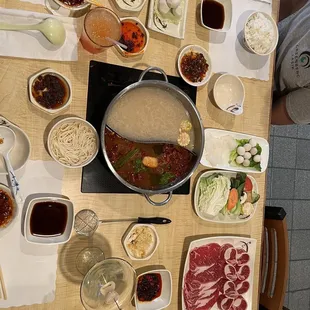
(7, 142)
(51, 28)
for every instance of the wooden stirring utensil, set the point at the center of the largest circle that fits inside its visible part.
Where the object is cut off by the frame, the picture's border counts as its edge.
(2, 285)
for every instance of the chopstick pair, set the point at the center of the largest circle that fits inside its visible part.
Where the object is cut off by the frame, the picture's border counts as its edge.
(3, 293)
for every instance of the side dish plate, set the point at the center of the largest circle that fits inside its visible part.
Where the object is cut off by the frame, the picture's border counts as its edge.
(224, 219)
(21, 151)
(248, 244)
(217, 133)
(176, 30)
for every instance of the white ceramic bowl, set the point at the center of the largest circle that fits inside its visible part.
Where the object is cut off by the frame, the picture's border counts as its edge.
(197, 49)
(122, 51)
(49, 240)
(70, 120)
(126, 241)
(7, 228)
(275, 41)
(21, 150)
(164, 300)
(228, 16)
(228, 92)
(66, 82)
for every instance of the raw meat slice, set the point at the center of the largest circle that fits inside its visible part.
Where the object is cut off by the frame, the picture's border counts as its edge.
(242, 287)
(243, 258)
(230, 256)
(243, 273)
(202, 298)
(230, 273)
(224, 247)
(221, 284)
(224, 303)
(230, 290)
(204, 256)
(239, 304)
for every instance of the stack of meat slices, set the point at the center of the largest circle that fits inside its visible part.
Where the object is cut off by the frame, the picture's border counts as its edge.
(217, 276)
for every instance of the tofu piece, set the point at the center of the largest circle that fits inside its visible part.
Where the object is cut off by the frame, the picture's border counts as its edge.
(151, 162)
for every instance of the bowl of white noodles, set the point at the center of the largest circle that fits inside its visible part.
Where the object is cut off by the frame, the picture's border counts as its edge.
(73, 142)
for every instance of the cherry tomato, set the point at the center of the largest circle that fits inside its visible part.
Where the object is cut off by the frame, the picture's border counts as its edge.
(248, 186)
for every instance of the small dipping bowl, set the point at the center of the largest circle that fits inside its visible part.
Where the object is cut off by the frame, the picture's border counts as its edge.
(164, 299)
(61, 215)
(35, 91)
(229, 94)
(195, 49)
(227, 4)
(145, 32)
(275, 41)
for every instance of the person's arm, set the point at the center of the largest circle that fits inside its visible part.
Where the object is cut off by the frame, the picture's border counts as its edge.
(279, 115)
(292, 108)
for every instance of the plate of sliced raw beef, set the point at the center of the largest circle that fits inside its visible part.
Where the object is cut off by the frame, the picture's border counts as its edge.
(218, 274)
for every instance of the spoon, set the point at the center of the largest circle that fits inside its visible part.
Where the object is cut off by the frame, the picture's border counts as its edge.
(7, 142)
(117, 43)
(51, 28)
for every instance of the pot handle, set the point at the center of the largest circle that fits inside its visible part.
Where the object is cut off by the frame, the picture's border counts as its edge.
(153, 69)
(158, 204)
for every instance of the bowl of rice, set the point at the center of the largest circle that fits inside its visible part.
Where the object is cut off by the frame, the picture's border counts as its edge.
(261, 34)
(73, 142)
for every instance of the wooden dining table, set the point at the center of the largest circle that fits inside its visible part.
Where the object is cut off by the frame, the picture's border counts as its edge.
(186, 226)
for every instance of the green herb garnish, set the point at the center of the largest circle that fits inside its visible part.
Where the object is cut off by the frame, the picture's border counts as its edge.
(123, 160)
(138, 166)
(165, 178)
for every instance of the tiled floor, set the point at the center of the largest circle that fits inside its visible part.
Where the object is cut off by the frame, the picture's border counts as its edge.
(289, 187)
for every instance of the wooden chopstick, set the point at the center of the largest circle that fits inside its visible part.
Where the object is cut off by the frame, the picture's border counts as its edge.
(2, 284)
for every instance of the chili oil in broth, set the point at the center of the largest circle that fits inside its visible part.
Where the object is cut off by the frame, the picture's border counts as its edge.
(127, 157)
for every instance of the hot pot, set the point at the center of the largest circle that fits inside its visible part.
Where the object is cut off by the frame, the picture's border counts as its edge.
(197, 127)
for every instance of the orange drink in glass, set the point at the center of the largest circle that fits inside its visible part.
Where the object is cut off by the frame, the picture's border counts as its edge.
(99, 25)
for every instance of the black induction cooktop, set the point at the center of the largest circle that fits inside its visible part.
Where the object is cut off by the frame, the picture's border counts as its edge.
(104, 83)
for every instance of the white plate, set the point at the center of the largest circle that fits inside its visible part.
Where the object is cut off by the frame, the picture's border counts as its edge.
(217, 133)
(164, 300)
(236, 242)
(172, 30)
(126, 239)
(197, 49)
(122, 6)
(225, 219)
(21, 151)
(5, 230)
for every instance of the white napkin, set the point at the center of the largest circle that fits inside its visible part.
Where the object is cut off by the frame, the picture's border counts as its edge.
(226, 52)
(32, 44)
(29, 270)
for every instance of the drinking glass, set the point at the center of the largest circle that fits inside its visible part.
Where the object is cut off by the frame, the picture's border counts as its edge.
(100, 24)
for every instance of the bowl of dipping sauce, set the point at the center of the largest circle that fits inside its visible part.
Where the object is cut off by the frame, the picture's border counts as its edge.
(8, 210)
(49, 220)
(194, 65)
(216, 15)
(50, 91)
(135, 36)
(229, 94)
(261, 34)
(141, 242)
(69, 8)
(154, 290)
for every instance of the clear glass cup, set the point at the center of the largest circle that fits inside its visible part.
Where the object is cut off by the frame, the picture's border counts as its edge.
(88, 258)
(99, 24)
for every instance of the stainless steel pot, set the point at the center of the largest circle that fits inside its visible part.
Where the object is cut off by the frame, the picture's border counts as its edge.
(197, 127)
(59, 8)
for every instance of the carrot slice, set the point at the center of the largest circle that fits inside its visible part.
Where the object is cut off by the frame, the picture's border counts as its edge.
(232, 199)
